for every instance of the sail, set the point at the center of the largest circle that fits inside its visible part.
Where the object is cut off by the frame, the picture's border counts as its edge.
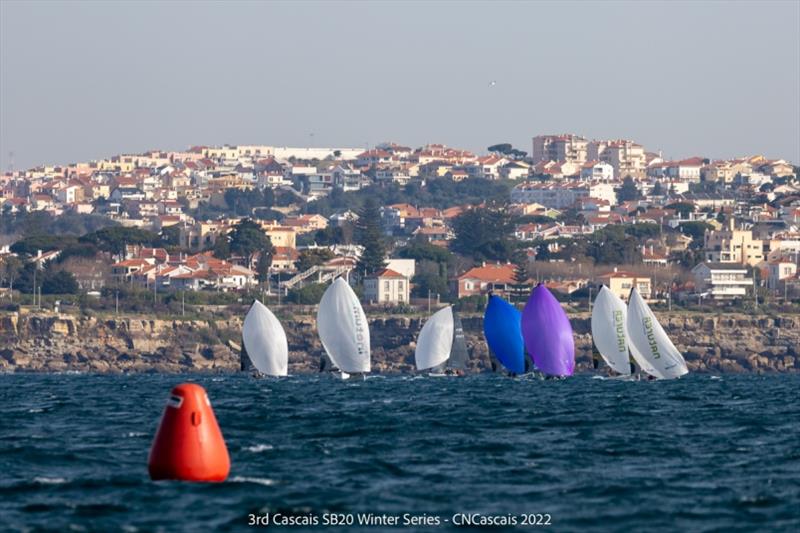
(649, 343)
(458, 352)
(548, 334)
(609, 330)
(264, 341)
(503, 331)
(245, 365)
(435, 340)
(343, 328)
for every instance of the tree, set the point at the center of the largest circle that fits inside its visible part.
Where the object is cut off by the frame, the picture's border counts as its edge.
(247, 238)
(483, 233)
(695, 229)
(60, 282)
(46, 243)
(114, 239)
(628, 191)
(521, 286)
(171, 236)
(222, 248)
(369, 234)
(658, 189)
(611, 246)
(312, 257)
(10, 268)
(682, 208)
(308, 295)
(262, 267)
(502, 148)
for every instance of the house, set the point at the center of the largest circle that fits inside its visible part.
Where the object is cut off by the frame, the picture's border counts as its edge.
(597, 171)
(730, 245)
(721, 280)
(387, 287)
(284, 258)
(514, 170)
(480, 280)
(620, 283)
(778, 272)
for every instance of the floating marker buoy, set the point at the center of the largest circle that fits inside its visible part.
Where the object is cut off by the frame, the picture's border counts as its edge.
(189, 444)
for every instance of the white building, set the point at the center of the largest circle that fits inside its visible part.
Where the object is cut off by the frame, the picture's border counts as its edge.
(561, 195)
(597, 171)
(721, 280)
(387, 287)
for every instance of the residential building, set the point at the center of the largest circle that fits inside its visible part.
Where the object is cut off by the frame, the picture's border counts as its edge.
(730, 245)
(597, 171)
(721, 280)
(387, 287)
(488, 277)
(620, 283)
(565, 148)
(626, 157)
(561, 195)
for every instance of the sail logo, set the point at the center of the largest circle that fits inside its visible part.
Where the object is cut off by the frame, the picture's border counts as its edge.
(359, 330)
(651, 337)
(619, 328)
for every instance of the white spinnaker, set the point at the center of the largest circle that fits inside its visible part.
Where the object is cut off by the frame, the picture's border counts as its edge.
(650, 342)
(343, 328)
(435, 340)
(265, 341)
(609, 330)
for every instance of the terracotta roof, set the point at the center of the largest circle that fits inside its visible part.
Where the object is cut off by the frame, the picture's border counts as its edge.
(494, 273)
(388, 273)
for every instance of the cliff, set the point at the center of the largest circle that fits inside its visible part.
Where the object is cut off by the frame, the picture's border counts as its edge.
(49, 343)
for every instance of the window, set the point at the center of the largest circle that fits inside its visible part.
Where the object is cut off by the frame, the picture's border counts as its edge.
(386, 285)
(399, 285)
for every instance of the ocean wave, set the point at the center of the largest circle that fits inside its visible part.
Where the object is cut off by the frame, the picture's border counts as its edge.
(257, 480)
(258, 448)
(49, 480)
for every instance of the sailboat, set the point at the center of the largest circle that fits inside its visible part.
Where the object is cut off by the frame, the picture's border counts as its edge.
(264, 342)
(503, 331)
(610, 331)
(548, 334)
(649, 343)
(441, 346)
(343, 329)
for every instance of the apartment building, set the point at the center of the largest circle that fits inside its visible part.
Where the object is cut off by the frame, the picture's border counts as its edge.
(626, 157)
(567, 147)
(561, 195)
(730, 245)
(721, 280)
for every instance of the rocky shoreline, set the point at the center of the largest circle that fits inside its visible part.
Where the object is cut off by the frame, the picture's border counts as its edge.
(47, 342)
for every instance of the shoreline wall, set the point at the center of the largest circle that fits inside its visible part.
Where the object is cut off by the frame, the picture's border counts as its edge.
(46, 342)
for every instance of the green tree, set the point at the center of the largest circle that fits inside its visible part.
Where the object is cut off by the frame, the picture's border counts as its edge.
(483, 233)
(369, 234)
(308, 295)
(312, 257)
(658, 189)
(114, 239)
(60, 282)
(222, 247)
(696, 230)
(682, 208)
(628, 191)
(46, 243)
(10, 269)
(611, 246)
(521, 286)
(247, 238)
(262, 267)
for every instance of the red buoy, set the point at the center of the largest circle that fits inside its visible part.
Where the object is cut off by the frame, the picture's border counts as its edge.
(189, 444)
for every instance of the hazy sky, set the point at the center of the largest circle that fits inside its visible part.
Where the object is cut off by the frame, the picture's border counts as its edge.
(80, 81)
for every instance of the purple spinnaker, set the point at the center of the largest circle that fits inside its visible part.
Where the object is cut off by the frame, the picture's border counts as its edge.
(548, 334)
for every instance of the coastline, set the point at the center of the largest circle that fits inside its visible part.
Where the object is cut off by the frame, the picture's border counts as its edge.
(49, 342)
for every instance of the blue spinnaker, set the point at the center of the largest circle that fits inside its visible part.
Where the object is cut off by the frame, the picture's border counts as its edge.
(502, 328)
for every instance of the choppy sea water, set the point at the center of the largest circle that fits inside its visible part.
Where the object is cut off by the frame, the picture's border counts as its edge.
(698, 454)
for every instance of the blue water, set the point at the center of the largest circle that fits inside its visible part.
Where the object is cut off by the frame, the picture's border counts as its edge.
(698, 454)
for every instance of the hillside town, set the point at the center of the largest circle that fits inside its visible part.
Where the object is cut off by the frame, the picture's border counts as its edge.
(405, 225)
